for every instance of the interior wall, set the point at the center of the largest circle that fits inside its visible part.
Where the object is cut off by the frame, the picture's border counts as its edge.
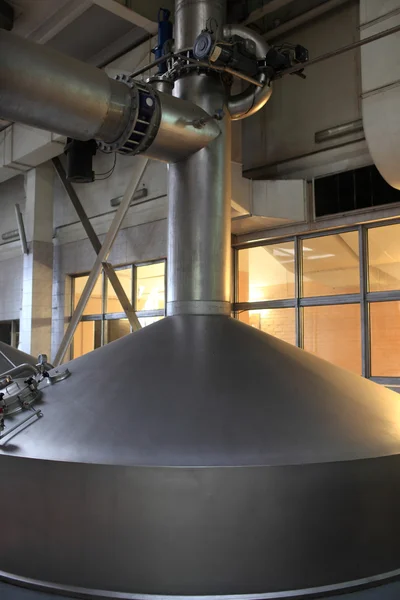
(11, 259)
(284, 130)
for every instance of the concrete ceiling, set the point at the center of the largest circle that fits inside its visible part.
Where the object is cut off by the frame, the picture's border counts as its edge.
(96, 31)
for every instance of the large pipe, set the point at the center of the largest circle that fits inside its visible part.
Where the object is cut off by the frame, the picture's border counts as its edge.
(199, 187)
(45, 89)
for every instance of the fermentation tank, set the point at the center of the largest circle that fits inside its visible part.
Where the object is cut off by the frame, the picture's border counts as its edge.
(198, 457)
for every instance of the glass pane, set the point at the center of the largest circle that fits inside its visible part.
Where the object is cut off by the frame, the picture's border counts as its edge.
(266, 273)
(94, 305)
(116, 329)
(384, 258)
(113, 304)
(334, 333)
(144, 321)
(150, 287)
(385, 339)
(331, 265)
(87, 338)
(279, 322)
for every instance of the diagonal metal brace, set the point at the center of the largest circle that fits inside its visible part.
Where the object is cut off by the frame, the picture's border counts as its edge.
(92, 235)
(140, 165)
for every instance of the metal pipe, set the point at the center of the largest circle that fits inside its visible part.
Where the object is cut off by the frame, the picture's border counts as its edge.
(199, 188)
(45, 89)
(139, 169)
(178, 136)
(252, 99)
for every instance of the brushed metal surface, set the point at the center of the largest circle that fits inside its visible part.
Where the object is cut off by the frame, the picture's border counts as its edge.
(200, 456)
(11, 357)
(45, 89)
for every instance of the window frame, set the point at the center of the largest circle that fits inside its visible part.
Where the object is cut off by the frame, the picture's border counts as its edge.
(104, 316)
(364, 298)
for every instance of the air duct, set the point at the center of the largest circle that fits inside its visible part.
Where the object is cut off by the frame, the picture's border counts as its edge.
(200, 457)
(381, 86)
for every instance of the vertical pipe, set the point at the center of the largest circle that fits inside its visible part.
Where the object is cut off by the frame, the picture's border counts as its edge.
(199, 187)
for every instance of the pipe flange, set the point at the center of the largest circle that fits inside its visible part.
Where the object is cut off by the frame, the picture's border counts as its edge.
(114, 146)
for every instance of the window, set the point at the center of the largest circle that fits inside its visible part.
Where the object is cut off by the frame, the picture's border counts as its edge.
(266, 272)
(335, 294)
(331, 265)
(103, 319)
(384, 258)
(279, 322)
(385, 339)
(334, 333)
(352, 190)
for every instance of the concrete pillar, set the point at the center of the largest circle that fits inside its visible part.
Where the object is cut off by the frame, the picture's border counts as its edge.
(36, 311)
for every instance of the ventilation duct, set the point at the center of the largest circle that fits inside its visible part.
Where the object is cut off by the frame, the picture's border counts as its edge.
(381, 86)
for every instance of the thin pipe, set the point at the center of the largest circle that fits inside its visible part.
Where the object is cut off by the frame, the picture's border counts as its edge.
(342, 50)
(242, 76)
(140, 164)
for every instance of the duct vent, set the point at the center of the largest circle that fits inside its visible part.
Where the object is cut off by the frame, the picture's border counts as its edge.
(352, 190)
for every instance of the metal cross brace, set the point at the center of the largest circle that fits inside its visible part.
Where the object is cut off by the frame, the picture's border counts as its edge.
(102, 252)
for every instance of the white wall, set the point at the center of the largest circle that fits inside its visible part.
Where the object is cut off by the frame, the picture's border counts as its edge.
(11, 259)
(284, 130)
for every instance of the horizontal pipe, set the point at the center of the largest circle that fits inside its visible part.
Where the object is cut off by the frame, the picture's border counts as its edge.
(178, 135)
(46, 89)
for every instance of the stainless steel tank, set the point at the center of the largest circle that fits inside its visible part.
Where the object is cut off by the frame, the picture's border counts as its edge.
(199, 457)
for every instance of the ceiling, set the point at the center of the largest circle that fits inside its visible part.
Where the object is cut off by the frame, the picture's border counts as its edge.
(95, 31)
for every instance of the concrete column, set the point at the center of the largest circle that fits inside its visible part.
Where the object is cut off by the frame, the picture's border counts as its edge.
(36, 311)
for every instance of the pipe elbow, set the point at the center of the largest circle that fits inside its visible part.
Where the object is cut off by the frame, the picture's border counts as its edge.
(252, 99)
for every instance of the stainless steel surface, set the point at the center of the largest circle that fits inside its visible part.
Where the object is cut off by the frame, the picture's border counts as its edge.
(390, 591)
(21, 229)
(177, 136)
(192, 16)
(45, 89)
(200, 456)
(252, 99)
(94, 240)
(199, 188)
(11, 357)
(339, 131)
(19, 370)
(139, 167)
